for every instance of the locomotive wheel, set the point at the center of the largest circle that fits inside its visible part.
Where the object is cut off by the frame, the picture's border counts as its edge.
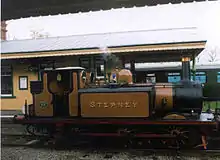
(38, 131)
(181, 139)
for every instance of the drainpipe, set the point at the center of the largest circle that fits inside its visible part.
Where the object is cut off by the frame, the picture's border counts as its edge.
(39, 72)
(194, 68)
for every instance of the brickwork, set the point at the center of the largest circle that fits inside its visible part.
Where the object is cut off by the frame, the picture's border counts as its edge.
(3, 30)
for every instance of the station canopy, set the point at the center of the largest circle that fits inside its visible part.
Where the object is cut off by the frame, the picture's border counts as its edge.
(166, 37)
(16, 9)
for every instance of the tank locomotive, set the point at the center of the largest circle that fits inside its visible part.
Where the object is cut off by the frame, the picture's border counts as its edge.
(66, 99)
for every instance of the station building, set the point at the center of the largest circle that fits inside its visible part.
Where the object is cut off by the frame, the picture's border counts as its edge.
(22, 60)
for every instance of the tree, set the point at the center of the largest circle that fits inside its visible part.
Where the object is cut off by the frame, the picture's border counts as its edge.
(209, 54)
(11, 36)
(213, 54)
(36, 33)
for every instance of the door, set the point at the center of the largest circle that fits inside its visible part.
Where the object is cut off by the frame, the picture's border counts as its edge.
(60, 86)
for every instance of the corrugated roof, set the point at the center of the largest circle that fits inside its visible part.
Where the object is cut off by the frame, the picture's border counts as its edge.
(11, 10)
(172, 35)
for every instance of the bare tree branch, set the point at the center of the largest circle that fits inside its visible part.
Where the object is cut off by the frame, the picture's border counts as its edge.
(213, 54)
(35, 34)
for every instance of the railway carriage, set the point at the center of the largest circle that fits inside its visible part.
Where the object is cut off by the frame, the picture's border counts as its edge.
(207, 74)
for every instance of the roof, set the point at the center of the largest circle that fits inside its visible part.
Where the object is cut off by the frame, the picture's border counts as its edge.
(162, 24)
(11, 9)
(118, 39)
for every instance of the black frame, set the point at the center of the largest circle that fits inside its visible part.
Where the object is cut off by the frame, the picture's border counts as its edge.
(19, 79)
(12, 90)
(217, 74)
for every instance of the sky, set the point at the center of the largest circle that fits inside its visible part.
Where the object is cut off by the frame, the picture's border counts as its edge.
(203, 15)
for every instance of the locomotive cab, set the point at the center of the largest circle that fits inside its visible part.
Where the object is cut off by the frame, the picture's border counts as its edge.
(54, 95)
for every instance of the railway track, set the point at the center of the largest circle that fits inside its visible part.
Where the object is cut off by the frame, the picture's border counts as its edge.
(25, 140)
(12, 138)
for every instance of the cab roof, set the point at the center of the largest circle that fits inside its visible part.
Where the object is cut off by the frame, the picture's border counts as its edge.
(64, 68)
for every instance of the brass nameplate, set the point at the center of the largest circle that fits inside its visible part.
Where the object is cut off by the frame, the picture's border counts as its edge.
(126, 104)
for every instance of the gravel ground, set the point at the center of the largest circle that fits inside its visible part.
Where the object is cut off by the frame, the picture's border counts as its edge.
(42, 154)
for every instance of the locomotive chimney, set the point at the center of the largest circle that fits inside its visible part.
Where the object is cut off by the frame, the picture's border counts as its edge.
(185, 68)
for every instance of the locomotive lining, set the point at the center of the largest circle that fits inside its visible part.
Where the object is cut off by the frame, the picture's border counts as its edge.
(115, 90)
(181, 94)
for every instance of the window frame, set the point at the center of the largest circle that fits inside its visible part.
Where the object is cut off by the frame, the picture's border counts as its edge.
(198, 73)
(82, 60)
(173, 74)
(4, 96)
(218, 75)
(97, 60)
(151, 76)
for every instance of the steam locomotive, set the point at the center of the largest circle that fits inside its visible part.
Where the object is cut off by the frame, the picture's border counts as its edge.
(66, 100)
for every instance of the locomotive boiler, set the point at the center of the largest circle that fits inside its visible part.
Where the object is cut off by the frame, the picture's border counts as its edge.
(66, 98)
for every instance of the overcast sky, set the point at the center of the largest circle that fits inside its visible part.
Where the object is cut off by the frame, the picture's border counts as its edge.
(203, 15)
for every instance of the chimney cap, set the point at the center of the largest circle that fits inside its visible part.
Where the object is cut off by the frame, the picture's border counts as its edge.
(3, 30)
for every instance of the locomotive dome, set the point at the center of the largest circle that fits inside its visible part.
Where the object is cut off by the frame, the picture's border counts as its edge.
(125, 75)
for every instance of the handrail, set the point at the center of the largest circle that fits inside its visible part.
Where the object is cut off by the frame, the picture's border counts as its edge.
(211, 98)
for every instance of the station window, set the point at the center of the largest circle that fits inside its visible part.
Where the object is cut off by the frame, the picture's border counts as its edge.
(84, 62)
(200, 77)
(174, 77)
(218, 77)
(99, 68)
(150, 78)
(6, 81)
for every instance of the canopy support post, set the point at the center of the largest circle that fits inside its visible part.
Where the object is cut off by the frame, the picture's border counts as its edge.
(132, 63)
(194, 67)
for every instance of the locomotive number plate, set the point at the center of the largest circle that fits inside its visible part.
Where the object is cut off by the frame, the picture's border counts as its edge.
(43, 104)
